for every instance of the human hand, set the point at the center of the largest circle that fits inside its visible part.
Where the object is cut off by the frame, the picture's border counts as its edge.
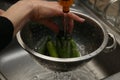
(43, 13)
(38, 10)
(1, 11)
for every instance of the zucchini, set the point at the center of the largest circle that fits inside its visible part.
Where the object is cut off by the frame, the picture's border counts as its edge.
(52, 49)
(63, 47)
(41, 45)
(75, 52)
(58, 46)
(66, 49)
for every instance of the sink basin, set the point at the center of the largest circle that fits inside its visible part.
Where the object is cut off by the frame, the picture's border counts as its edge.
(111, 61)
(106, 64)
(17, 64)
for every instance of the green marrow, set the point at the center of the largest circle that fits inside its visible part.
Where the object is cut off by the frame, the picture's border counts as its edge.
(41, 45)
(52, 49)
(75, 52)
(63, 47)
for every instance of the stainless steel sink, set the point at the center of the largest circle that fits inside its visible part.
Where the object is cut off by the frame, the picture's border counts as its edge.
(17, 64)
(106, 64)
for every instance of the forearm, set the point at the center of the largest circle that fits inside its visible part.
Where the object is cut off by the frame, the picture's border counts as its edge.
(19, 14)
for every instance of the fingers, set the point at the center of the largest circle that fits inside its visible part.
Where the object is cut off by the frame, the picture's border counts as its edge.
(75, 17)
(1, 11)
(71, 19)
(54, 27)
(50, 24)
(68, 24)
(45, 9)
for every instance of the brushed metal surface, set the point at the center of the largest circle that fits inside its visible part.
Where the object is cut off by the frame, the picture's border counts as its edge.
(17, 64)
(114, 77)
(2, 77)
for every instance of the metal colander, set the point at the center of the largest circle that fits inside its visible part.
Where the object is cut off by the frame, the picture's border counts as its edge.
(90, 36)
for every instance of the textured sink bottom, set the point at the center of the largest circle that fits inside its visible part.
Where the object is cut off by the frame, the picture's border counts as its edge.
(21, 66)
(17, 64)
(79, 74)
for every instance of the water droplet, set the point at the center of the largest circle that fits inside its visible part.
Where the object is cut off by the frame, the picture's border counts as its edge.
(36, 77)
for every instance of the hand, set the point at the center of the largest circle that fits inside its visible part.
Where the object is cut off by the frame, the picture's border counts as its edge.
(37, 10)
(1, 11)
(43, 13)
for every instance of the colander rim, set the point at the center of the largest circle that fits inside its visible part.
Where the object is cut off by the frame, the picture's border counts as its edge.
(85, 57)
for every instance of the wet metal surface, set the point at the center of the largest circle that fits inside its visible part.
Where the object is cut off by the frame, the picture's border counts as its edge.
(17, 64)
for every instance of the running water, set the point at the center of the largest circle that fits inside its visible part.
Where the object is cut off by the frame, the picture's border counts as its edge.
(81, 49)
(62, 76)
(66, 25)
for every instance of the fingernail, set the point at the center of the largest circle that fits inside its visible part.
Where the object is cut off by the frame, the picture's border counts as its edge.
(82, 20)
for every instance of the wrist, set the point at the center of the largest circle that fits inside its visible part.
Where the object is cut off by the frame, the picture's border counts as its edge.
(19, 14)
